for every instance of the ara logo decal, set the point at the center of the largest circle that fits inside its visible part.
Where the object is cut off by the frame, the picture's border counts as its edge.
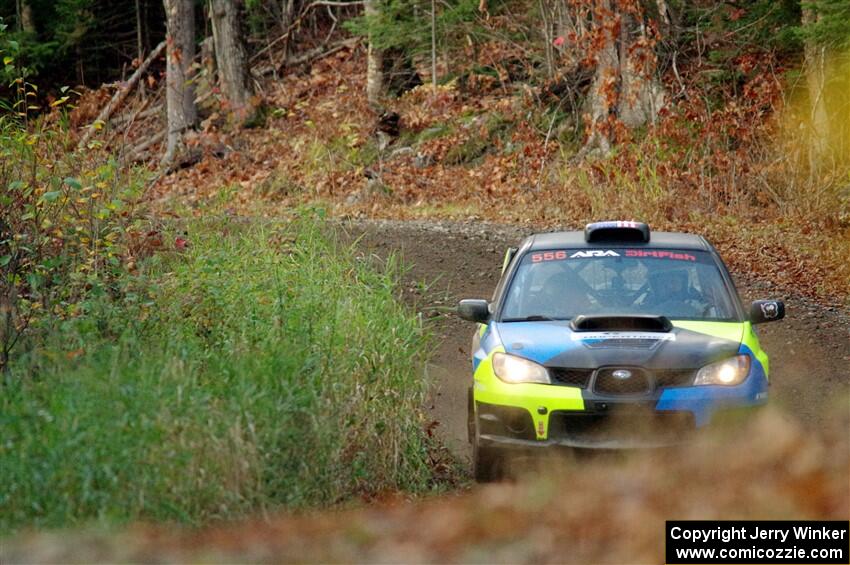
(594, 253)
(561, 255)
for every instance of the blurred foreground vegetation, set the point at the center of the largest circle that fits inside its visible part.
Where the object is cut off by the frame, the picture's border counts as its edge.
(248, 369)
(602, 509)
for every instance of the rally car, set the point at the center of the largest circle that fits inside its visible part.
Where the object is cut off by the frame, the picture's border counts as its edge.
(614, 337)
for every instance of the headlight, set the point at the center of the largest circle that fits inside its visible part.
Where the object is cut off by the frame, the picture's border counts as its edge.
(513, 369)
(730, 371)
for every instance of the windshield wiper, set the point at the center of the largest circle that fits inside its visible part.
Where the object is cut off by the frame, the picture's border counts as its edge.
(533, 318)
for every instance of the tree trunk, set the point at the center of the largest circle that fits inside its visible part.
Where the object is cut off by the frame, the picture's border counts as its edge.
(180, 92)
(434, 44)
(815, 82)
(548, 36)
(228, 17)
(625, 87)
(663, 12)
(605, 90)
(81, 70)
(287, 18)
(641, 93)
(27, 21)
(374, 63)
(140, 43)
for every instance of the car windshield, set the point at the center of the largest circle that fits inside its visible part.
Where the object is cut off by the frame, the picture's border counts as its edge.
(563, 283)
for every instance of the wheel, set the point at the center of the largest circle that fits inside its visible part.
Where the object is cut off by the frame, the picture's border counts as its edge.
(486, 461)
(470, 416)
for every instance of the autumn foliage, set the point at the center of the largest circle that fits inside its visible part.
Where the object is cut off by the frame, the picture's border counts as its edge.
(717, 161)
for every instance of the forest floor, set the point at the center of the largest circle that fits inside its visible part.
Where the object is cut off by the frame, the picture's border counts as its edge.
(602, 509)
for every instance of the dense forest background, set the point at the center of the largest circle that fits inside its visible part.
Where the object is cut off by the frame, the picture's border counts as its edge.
(609, 60)
(90, 42)
(613, 65)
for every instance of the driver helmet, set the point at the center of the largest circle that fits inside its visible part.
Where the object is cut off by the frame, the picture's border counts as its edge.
(564, 288)
(670, 284)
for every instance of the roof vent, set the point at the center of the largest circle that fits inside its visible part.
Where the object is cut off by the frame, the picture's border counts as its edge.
(616, 231)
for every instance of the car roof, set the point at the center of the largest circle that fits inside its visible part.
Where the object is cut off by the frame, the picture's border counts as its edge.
(576, 239)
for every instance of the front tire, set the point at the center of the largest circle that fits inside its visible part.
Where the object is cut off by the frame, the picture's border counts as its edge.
(486, 461)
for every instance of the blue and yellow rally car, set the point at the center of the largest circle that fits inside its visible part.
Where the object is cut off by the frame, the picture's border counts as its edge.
(614, 337)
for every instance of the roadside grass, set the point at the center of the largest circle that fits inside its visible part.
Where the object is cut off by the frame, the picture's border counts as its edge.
(264, 367)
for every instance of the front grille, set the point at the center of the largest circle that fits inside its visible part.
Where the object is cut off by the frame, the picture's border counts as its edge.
(640, 381)
(571, 377)
(673, 377)
(606, 383)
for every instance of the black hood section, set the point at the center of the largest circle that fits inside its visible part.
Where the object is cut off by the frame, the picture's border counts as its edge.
(677, 349)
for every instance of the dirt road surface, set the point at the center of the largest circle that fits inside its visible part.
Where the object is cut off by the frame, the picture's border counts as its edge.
(809, 350)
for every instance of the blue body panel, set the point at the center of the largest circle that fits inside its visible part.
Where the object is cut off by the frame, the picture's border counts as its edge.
(703, 401)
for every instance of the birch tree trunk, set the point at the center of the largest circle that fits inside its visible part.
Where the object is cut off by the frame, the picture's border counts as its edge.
(180, 92)
(228, 17)
(374, 62)
(815, 81)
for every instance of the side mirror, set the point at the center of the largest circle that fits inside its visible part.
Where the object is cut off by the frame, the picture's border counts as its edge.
(766, 311)
(474, 310)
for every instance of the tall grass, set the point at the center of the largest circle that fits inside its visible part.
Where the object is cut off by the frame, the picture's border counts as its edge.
(265, 366)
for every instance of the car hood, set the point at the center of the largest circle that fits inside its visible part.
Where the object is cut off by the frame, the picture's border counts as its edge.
(689, 345)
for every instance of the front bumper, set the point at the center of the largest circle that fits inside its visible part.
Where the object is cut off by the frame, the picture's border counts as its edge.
(610, 444)
(538, 415)
(612, 426)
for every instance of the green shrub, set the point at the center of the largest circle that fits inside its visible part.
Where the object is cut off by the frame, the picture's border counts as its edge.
(64, 218)
(263, 366)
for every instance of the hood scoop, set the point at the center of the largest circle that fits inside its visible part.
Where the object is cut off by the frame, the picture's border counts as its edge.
(631, 323)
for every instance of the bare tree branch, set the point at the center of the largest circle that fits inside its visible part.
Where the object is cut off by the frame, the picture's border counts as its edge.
(297, 22)
(121, 95)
